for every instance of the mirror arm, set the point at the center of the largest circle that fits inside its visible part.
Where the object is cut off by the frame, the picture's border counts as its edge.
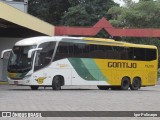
(32, 50)
(4, 51)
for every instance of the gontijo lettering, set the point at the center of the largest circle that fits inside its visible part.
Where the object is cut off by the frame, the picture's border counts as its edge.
(122, 65)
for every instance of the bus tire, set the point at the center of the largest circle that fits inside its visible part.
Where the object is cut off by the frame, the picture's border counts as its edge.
(125, 83)
(34, 87)
(56, 83)
(136, 84)
(103, 87)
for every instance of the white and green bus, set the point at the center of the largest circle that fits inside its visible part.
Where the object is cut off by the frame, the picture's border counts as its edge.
(58, 61)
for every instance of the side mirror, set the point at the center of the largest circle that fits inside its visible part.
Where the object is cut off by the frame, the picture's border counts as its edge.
(5, 53)
(33, 50)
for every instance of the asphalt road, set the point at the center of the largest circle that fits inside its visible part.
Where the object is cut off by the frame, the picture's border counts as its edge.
(79, 98)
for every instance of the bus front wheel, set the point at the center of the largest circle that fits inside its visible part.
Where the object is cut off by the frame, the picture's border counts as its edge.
(34, 87)
(56, 83)
(136, 84)
(125, 83)
(103, 87)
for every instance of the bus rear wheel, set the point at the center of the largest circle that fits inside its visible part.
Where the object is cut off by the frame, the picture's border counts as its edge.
(103, 87)
(56, 83)
(136, 84)
(125, 83)
(34, 87)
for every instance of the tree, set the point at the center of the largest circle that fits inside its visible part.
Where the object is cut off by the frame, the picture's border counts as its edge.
(48, 10)
(86, 12)
(116, 13)
(144, 14)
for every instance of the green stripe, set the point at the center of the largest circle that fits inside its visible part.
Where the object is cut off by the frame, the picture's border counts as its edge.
(81, 69)
(87, 69)
(93, 69)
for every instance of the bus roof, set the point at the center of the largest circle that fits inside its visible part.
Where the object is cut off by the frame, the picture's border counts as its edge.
(42, 39)
(118, 43)
(87, 40)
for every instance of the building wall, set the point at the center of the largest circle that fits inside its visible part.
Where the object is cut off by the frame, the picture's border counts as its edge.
(21, 5)
(5, 43)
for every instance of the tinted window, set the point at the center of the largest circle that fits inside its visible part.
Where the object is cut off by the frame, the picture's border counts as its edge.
(86, 51)
(43, 57)
(80, 50)
(63, 51)
(139, 54)
(97, 51)
(130, 53)
(151, 54)
(18, 61)
(116, 52)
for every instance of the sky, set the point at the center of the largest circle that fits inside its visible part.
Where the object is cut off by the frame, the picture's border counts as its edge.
(122, 3)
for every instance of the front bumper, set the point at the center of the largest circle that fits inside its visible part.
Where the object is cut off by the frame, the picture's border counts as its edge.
(19, 82)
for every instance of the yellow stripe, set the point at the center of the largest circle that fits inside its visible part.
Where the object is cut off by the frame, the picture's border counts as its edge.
(116, 43)
(100, 39)
(3, 83)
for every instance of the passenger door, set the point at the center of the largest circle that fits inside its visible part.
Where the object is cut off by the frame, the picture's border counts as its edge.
(42, 61)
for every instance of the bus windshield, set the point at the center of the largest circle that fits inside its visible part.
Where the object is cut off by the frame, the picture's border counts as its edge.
(18, 61)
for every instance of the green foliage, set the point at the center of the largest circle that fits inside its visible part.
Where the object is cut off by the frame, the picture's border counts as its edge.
(145, 14)
(115, 13)
(87, 12)
(103, 34)
(48, 10)
(70, 12)
(81, 17)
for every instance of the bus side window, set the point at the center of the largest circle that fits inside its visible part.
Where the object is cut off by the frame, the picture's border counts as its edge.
(139, 54)
(151, 54)
(124, 54)
(101, 51)
(91, 53)
(97, 51)
(78, 49)
(130, 53)
(115, 52)
(70, 50)
(108, 52)
(86, 51)
(62, 51)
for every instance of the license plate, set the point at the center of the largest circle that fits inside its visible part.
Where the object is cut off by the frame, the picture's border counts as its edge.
(16, 82)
